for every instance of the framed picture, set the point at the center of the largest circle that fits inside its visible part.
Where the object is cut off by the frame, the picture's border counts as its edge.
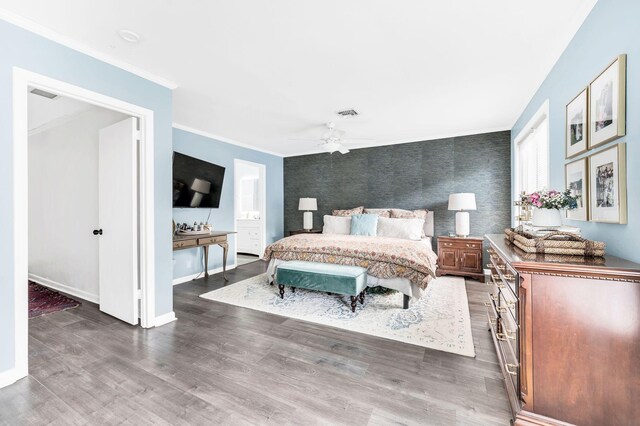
(576, 131)
(576, 179)
(607, 103)
(608, 185)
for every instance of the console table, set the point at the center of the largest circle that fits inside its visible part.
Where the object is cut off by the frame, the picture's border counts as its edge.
(219, 238)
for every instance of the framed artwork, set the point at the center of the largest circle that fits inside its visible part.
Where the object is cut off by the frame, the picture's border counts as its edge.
(607, 104)
(576, 179)
(576, 122)
(608, 185)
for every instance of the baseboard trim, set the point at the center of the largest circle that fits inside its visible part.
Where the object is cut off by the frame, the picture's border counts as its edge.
(487, 272)
(93, 298)
(9, 377)
(165, 319)
(188, 278)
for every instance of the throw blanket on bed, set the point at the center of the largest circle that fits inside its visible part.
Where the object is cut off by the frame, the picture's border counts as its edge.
(383, 257)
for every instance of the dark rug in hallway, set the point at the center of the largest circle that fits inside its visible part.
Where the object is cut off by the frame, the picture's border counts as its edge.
(43, 301)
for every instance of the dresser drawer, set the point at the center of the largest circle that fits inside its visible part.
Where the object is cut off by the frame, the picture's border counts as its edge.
(509, 356)
(184, 244)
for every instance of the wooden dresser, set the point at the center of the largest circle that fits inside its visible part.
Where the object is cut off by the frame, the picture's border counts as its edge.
(567, 334)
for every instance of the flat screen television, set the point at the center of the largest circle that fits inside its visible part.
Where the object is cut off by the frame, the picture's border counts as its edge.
(196, 183)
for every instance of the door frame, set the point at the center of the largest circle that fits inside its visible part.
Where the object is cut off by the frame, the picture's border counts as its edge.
(262, 173)
(22, 80)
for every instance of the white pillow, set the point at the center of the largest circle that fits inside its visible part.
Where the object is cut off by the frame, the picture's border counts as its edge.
(407, 229)
(340, 225)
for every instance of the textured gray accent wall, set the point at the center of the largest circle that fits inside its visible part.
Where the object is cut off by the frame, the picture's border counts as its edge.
(410, 176)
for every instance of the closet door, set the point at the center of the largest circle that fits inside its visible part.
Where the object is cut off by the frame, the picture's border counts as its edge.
(118, 218)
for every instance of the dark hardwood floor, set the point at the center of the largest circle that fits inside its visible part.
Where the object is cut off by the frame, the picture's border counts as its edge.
(220, 364)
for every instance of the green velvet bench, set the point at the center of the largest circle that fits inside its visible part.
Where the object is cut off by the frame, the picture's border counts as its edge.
(326, 277)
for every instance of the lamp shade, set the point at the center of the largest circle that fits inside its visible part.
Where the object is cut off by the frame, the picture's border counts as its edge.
(308, 204)
(462, 201)
(200, 185)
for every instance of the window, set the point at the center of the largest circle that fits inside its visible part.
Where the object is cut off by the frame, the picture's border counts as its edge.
(532, 154)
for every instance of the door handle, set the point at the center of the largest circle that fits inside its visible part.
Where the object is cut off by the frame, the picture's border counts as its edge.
(97, 232)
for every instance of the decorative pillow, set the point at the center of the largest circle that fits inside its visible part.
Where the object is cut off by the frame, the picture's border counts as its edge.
(364, 224)
(409, 214)
(349, 212)
(407, 229)
(379, 212)
(336, 225)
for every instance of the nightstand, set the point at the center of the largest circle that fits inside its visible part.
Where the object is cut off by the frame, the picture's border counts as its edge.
(305, 231)
(461, 256)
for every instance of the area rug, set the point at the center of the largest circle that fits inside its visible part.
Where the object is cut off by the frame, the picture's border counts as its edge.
(43, 301)
(438, 320)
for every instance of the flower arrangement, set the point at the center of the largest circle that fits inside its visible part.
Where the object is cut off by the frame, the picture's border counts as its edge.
(551, 200)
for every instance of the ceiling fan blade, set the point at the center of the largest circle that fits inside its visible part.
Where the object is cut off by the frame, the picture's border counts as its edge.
(358, 140)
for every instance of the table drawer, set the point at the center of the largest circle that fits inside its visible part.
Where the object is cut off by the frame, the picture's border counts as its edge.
(184, 244)
(212, 240)
(461, 244)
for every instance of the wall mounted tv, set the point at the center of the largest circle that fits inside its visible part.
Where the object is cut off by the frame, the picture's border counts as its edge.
(196, 183)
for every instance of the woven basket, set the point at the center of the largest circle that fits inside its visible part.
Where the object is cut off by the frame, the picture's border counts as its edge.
(556, 243)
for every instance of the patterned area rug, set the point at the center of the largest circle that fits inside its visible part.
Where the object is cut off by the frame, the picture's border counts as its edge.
(43, 301)
(438, 320)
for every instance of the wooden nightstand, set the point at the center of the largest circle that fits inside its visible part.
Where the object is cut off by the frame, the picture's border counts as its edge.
(305, 231)
(460, 256)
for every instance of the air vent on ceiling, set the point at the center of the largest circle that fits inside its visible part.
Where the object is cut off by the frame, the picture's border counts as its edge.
(47, 95)
(348, 112)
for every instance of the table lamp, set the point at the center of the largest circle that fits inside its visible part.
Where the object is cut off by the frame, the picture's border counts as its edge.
(199, 186)
(307, 205)
(461, 202)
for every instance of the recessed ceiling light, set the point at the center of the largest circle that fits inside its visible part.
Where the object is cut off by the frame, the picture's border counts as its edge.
(129, 36)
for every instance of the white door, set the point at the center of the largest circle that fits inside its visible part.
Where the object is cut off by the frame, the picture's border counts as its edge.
(118, 219)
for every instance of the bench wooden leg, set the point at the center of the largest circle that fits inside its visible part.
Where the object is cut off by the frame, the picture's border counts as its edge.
(281, 287)
(354, 299)
(405, 302)
(361, 297)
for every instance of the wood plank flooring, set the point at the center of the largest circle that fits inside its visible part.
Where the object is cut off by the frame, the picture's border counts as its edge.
(221, 364)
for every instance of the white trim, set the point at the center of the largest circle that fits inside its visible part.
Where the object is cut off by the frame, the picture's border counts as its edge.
(188, 278)
(60, 121)
(222, 139)
(9, 377)
(90, 297)
(49, 34)
(165, 319)
(22, 80)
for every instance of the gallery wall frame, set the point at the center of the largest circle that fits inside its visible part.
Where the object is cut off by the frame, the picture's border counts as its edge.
(577, 124)
(607, 104)
(608, 185)
(576, 178)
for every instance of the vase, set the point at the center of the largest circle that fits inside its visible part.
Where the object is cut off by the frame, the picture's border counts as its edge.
(548, 218)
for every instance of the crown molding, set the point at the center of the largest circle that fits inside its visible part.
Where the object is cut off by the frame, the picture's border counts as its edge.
(49, 34)
(223, 139)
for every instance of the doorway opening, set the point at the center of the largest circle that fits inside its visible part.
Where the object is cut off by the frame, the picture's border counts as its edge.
(249, 207)
(115, 168)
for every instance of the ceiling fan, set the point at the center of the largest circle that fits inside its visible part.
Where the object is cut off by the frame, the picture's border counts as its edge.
(331, 140)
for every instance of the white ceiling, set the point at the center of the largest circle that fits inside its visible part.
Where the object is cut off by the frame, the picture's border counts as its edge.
(43, 111)
(263, 72)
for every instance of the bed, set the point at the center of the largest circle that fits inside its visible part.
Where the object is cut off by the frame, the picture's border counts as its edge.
(399, 264)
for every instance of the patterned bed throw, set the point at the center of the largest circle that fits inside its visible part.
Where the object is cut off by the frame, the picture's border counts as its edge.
(383, 257)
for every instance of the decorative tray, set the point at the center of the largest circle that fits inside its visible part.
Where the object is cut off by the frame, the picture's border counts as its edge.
(555, 243)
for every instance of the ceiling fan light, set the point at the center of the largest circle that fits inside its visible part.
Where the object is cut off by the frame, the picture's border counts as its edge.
(331, 147)
(343, 150)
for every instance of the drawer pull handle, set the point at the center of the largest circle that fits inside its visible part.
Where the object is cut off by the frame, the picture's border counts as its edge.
(503, 337)
(508, 367)
(509, 277)
(489, 265)
(495, 276)
(501, 309)
(501, 268)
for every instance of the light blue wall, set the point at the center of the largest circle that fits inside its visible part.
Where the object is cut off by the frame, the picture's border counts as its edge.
(189, 262)
(26, 50)
(612, 28)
